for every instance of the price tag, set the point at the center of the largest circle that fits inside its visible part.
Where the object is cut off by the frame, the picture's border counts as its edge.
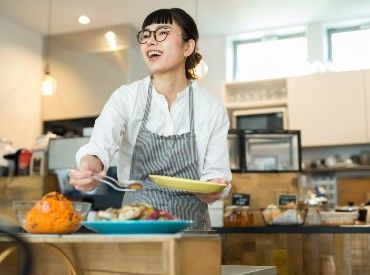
(241, 199)
(287, 198)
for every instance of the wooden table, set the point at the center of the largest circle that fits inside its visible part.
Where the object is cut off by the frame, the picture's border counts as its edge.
(95, 254)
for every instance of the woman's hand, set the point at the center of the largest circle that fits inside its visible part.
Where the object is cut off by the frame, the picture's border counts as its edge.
(81, 178)
(212, 197)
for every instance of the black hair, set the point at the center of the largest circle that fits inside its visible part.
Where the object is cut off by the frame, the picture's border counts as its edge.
(189, 31)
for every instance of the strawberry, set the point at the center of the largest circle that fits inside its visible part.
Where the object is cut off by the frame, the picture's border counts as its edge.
(164, 215)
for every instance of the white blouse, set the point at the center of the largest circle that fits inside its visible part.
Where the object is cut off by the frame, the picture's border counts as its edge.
(116, 128)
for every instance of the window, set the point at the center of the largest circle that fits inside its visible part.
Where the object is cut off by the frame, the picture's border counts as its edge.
(349, 48)
(270, 57)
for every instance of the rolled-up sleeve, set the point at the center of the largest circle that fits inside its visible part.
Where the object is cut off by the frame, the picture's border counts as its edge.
(108, 130)
(216, 162)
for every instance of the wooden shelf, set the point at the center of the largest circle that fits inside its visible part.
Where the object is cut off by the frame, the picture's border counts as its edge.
(255, 94)
(294, 230)
(256, 104)
(359, 168)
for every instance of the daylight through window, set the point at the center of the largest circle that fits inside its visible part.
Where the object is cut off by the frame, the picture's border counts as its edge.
(278, 56)
(349, 48)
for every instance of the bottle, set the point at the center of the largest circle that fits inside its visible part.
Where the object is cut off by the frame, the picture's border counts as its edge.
(232, 216)
(362, 213)
(247, 218)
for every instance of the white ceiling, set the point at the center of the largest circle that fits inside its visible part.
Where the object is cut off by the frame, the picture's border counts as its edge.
(213, 16)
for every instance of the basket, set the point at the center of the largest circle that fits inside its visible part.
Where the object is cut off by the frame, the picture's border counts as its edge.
(283, 216)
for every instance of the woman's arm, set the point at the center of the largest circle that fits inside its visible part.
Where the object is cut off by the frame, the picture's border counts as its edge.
(216, 166)
(96, 156)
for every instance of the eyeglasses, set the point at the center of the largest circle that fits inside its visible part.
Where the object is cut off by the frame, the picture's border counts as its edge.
(160, 35)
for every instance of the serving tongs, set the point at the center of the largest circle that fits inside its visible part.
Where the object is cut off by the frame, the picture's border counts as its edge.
(132, 185)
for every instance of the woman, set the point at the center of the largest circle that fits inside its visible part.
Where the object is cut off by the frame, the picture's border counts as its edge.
(164, 124)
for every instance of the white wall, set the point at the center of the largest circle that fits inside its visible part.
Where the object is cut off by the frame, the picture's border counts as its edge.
(20, 83)
(213, 50)
(87, 72)
(84, 82)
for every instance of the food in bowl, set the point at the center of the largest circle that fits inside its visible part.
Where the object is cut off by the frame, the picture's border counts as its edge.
(134, 212)
(283, 215)
(53, 214)
(333, 218)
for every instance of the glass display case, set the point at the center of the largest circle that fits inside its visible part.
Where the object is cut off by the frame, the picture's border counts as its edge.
(277, 151)
(264, 151)
(235, 144)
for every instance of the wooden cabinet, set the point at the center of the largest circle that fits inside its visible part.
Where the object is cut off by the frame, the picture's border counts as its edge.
(300, 253)
(329, 108)
(93, 254)
(367, 96)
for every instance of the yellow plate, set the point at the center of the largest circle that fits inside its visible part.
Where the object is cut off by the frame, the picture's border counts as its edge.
(187, 184)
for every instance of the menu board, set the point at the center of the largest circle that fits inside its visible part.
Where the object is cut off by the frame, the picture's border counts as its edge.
(286, 198)
(241, 199)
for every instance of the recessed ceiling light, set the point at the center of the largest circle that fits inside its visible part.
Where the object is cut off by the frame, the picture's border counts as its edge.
(84, 20)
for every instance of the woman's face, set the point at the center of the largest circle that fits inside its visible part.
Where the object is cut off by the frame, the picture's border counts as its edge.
(168, 55)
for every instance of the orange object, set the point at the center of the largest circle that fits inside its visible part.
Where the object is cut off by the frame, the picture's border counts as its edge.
(232, 216)
(247, 218)
(53, 214)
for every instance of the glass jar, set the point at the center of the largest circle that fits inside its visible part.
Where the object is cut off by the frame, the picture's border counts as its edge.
(313, 215)
(362, 213)
(247, 218)
(232, 216)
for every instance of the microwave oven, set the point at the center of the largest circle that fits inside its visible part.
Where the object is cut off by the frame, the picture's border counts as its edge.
(261, 119)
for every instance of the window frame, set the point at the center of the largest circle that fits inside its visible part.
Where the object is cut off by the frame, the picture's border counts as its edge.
(238, 42)
(331, 31)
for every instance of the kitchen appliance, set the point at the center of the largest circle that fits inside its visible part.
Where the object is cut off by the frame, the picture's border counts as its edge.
(235, 145)
(265, 151)
(21, 160)
(62, 157)
(262, 119)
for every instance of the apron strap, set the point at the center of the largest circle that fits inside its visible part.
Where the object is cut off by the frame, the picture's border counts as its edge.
(191, 108)
(147, 105)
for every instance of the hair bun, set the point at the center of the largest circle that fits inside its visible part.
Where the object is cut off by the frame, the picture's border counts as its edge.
(191, 62)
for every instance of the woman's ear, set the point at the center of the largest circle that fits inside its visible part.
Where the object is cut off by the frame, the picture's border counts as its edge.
(189, 48)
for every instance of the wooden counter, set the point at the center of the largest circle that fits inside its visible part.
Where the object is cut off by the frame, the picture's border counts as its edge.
(307, 229)
(95, 254)
(307, 250)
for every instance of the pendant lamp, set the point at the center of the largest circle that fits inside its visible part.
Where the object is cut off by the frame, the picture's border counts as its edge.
(49, 84)
(201, 69)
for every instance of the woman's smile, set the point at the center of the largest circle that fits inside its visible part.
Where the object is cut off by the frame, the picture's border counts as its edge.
(154, 55)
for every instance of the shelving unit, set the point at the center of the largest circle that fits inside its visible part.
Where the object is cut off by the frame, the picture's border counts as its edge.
(330, 178)
(255, 94)
(360, 168)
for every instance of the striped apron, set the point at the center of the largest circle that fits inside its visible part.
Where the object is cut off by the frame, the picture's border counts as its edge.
(175, 156)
